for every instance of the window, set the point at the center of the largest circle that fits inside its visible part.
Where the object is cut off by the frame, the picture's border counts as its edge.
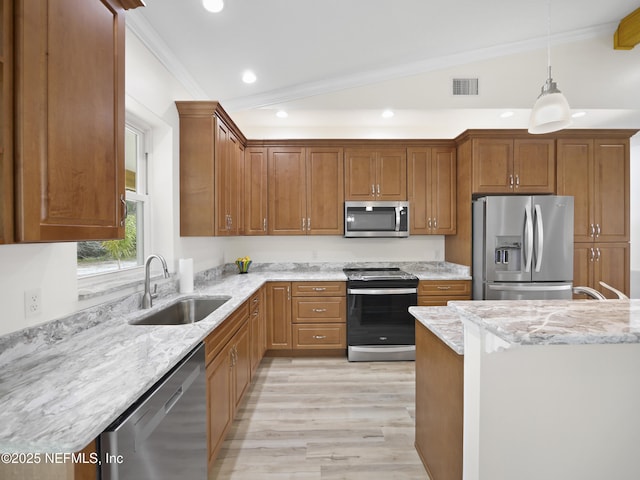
(95, 257)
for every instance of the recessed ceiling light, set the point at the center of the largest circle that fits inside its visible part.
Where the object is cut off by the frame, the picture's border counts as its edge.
(578, 114)
(387, 114)
(506, 114)
(249, 77)
(281, 114)
(214, 6)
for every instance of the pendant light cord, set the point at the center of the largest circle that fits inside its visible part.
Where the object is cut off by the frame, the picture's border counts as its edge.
(549, 37)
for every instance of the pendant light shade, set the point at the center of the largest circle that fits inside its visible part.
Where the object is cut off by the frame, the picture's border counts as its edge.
(551, 111)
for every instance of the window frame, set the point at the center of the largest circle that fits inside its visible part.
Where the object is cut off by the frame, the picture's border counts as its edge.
(98, 281)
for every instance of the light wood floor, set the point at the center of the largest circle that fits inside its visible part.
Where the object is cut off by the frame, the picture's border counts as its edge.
(324, 418)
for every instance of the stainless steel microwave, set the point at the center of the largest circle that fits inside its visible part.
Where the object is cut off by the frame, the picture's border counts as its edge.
(376, 219)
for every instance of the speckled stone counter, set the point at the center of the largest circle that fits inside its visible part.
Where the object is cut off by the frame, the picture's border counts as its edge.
(444, 322)
(555, 322)
(64, 382)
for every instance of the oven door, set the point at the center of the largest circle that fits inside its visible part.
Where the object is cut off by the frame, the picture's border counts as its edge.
(380, 316)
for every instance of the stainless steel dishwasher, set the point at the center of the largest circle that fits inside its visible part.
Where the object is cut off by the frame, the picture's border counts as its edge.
(163, 436)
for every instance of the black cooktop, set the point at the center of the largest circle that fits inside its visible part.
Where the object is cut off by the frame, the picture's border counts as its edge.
(375, 276)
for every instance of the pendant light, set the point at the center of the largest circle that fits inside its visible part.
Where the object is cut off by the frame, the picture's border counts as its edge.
(551, 110)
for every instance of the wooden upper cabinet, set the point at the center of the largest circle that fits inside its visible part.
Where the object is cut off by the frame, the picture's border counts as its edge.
(305, 191)
(325, 191)
(596, 173)
(229, 169)
(379, 174)
(287, 193)
(6, 125)
(431, 188)
(504, 165)
(211, 171)
(255, 191)
(69, 120)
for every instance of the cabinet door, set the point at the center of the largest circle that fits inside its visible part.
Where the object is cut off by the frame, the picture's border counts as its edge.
(241, 364)
(611, 190)
(255, 191)
(325, 191)
(443, 191)
(419, 190)
(534, 166)
(575, 177)
(391, 175)
(611, 266)
(223, 175)
(6, 123)
(287, 193)
(278, 315)
(360, 174)
(492, 165)
(69, 117)
(219, 407)
(236, 183)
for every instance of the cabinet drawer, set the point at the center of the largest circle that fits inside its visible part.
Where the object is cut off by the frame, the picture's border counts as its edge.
(448, 288)
(314, 310)
(217, 339)
(432, 301)
(319, 336)
(318, 289)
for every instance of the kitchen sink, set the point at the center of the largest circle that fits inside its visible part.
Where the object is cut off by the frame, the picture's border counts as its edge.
(183, 311)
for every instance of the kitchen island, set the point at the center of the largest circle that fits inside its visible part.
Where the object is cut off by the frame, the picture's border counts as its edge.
(550, 388)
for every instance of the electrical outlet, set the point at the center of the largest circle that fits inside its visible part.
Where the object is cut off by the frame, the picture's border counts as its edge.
(32, 302)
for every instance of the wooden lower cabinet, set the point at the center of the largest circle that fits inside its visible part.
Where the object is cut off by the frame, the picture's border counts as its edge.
(607, 262)
(439, 406)
(228, 370)
(306, 316)
(84, 470)
(433, 293)
(258, 328)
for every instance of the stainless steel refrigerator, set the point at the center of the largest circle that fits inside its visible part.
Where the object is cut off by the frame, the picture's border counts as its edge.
(522, 247)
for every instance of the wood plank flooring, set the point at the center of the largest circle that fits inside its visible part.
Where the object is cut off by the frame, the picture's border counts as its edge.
(324, 418)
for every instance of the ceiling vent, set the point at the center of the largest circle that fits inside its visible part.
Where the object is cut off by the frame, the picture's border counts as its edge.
(465, 86)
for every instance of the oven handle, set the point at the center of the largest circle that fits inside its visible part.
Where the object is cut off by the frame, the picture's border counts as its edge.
(381, 291)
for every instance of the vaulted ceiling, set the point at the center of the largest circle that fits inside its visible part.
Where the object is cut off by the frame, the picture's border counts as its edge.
(335, 65)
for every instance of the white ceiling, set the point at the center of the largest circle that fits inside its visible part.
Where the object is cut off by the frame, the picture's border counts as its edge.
(334, 65)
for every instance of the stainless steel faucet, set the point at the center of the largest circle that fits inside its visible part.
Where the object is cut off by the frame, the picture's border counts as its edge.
(147, 297)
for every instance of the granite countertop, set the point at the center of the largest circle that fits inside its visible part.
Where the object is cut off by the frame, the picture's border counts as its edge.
(444, 322)
(556, 322)
(64, 382)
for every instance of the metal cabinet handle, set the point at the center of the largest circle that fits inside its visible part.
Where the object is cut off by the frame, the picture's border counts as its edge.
(444, 287)
(435, 222)
(288, 293)
(510, 181)
(373, 190)
(123, 219)
(597, 230)
(308, 224)
(319, 337)
(319, 310)
(517, 181)
(429, 223)
(593, 229)
(303, 224)
(378, 189)
(264, 224)
(597, 254)
(319, 289)
(593, 254)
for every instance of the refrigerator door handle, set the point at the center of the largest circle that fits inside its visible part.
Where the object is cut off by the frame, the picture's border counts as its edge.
(540, 232)
(528, 232)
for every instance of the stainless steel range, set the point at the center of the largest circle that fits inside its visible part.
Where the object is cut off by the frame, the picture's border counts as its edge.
(379, 326)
